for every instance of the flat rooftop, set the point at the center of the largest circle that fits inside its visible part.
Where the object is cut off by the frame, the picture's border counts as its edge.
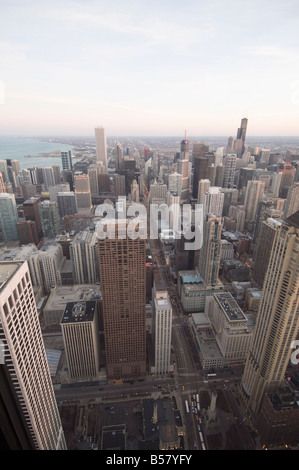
(7, 270)
(78, 312)
(230, 307)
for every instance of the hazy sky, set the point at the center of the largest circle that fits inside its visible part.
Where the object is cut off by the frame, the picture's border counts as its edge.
(154, 67)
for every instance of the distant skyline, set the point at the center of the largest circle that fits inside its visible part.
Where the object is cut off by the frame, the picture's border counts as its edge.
(149, 68)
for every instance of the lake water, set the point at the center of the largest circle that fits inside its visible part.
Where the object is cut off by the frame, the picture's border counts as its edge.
(18, 149)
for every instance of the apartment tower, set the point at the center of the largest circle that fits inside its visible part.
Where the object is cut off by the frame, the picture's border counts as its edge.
(277, 320)
(122, 263)
(25, 367)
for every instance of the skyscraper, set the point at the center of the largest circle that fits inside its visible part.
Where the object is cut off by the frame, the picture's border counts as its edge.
(84, 255)
(183, 168)
(80, 333)
(49, 216)
(67, 203)
(229, 170)
(292, 202)
(26, 367)
(213, 200)
(83, 194)
(101, 148)
(277, 320)
(254, 194)
(241, 136)
(48, 177)
(8, 217)
(210, 252)
(123, 286)
(66, 160)
(162, 330)
(201, 166)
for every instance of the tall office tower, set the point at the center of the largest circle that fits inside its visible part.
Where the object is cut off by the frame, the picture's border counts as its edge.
(8, 217)
(172, 199)
(30, 401)
(57, 174)
(84, 255)
(219, 156)
(2, 185)
(292, 202)
(263, 249)
(212, 174)
(118, 155)
(29, 190)
(123, 270)
(162, 328)
(158, 193)
(58, 188)
(67, 203)
(119, 183)
(253, 195)
(213, 200)
(101, 148)
(93, 172)
(27, 232)
(175, 183)
(210, 252)
(201, 165)
(237, 213)
(135, 192)
(50, 259)
(48, 177)
(68, 177)
(203, 187)
(80, 331)
(66, 160)
(229, 170)
(4, 171)
(49, 217)
(276, 183)
(82, 191)
(183, 169)
(198, 150)
(241, 136)
(15, 165)
(277, 320)
(230, 145)
(288, 173)
(219, 179)
(31, 212)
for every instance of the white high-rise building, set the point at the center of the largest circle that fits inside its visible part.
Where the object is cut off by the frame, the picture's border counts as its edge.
(213, 201)
(48, 177)
(84, 254)
(230, 162)
(101, 147)
(175, 183)
(26, 360)
(254, 194)
(162, 331)
(203, 187)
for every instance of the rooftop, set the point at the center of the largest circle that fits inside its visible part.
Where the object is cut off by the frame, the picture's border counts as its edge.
(7, 270)
(77, 312)
(229, 306)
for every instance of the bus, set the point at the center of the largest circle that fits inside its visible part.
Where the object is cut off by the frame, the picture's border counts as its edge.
(187, 406)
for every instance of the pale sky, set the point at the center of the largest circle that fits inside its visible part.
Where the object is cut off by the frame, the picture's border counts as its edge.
(154, 67)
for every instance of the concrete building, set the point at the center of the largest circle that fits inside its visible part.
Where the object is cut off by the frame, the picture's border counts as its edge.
(80, 331)
(253, 195)
(67, 203)
(27, 395)
(8, 217)
(123, 270)
(213, 200)
(82, 192)
(263, 249)
(162, 328)
(210, 252)
(101, 146)
(49, 217)
(292, 202)
(230, 327)
(277, 319)
(84, 255)
(229, 170)
(66, 160)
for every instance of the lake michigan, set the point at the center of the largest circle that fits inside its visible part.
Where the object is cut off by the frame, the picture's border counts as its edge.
(19, 148)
